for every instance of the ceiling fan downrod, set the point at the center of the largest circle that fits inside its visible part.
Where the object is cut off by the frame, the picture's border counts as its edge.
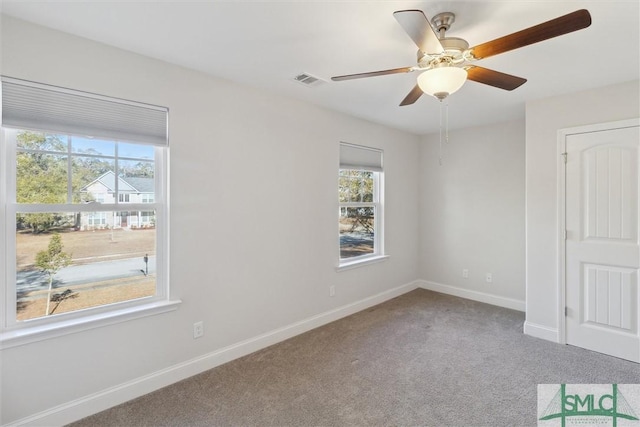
(442, 22)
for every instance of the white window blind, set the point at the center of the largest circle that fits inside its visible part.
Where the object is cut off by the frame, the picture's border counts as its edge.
(28, 105)
(359, 157)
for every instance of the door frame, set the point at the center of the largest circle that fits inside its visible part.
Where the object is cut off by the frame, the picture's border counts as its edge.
(562, 209)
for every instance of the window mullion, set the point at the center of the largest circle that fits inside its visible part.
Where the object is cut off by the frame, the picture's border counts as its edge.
(69, 172)
(358, 204)
(117, 174)
(159, 162)
(41, 208)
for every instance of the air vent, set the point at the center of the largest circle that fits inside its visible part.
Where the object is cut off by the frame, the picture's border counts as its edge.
(308, 80)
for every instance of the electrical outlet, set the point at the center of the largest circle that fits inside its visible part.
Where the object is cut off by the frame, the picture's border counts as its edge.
(465, 273)
(198, 329)
(332, 290)
(489, 278)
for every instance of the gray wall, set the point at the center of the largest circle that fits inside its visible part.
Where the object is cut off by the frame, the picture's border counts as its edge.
(254, 175)
(254, 207)
(472, 213)
(545, 117)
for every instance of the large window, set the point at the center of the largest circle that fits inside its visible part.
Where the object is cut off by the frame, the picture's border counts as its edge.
(360, 216)
(84, 196)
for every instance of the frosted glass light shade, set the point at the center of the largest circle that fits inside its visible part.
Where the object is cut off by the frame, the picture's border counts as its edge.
(442, 82)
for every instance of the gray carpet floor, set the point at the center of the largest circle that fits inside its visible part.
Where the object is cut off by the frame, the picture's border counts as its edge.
(423, 358)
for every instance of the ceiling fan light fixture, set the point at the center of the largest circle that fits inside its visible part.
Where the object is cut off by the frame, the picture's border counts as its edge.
(441, 82)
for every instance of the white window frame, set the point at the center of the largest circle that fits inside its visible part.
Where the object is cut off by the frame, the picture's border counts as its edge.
(15, 333)
(97, 218)
(378, 205)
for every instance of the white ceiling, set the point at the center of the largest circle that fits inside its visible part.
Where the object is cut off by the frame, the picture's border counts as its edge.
(265, 44)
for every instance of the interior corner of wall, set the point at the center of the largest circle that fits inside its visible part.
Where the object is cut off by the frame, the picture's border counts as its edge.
(541, 331)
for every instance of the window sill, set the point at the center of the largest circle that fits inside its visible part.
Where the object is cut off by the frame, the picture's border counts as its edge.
(28, 335)
(361, 262)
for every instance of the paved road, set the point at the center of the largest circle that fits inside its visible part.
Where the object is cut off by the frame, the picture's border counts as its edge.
(86, 273)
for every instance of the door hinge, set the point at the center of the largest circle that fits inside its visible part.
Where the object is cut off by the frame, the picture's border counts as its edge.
(564, 155)
(566, 311)
(565, 234)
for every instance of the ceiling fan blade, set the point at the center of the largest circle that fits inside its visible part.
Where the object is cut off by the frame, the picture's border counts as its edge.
(417, 26)
(413, 96)
(556, 27)
(372, 74)
(494, 78)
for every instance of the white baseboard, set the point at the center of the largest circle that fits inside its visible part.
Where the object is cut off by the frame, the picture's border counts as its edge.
(91, 404)
(511, 303)
(541, 331)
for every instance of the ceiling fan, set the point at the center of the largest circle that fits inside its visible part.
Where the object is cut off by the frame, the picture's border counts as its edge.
(446, 62)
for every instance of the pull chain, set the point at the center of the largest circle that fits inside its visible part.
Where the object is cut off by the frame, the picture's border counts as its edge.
(447, 122)
(440, 149)
(446, 128)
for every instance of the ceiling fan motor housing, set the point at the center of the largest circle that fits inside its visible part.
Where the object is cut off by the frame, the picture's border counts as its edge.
(454, 48)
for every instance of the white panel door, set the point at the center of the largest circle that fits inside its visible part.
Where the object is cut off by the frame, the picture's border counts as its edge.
(602, 251)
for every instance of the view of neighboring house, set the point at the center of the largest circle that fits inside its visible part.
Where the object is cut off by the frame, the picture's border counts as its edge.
(130, 190)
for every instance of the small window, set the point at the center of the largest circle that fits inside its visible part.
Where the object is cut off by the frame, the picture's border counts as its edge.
(360, 208)
(96, 218)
